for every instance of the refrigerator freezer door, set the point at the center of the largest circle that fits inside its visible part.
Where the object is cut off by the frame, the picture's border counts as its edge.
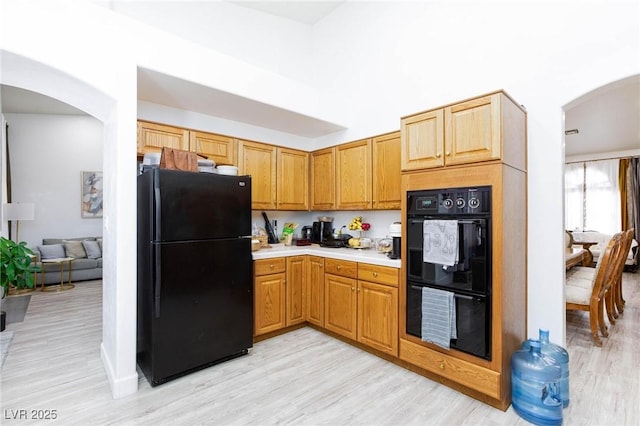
(202, 312)
(200, 206)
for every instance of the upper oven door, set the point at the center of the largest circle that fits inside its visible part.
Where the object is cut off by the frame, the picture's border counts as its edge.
(472, 273)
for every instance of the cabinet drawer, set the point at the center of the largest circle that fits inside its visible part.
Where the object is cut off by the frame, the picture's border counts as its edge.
(378, 274)
(463, 372)
(344, 268)
(269, 266)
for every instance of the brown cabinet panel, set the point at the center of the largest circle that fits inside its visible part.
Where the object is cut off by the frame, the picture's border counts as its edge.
(378, 316)
(323, 179)
(269, 303)
(259, 161)
(422, 140)
(293, 179)
(353, 173)
(221, 149)
(345, 268)
(269, 266)
(378, 274)
(315, 291)
(153, 137)
(340, 314)
(386, 171)
(296, 296)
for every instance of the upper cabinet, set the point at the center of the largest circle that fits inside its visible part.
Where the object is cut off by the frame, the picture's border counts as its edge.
(323, 179)
(259, 161)
(221, 149)
(153, 137)
(476, 130)
(292, 179)
(353, 174)
(386, 171)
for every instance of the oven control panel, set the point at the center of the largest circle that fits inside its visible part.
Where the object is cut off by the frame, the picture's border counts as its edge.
(467, 200)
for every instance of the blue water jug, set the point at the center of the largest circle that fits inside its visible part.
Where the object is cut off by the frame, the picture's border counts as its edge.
(561, 356)
(535, 389)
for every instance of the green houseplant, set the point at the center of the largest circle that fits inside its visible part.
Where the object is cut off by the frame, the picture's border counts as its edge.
(16, 268)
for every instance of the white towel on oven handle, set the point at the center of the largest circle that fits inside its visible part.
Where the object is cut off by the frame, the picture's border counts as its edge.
(440, 242)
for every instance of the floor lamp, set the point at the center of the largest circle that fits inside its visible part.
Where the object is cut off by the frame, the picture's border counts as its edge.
(15, 212)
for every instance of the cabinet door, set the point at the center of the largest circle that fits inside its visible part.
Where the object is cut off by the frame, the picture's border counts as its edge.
(221, 149)
(269, 303)
(259, 161)
(340, 305)
(323, 179)
(153, 137)
(296, 275)
(315, 291)
(293, 179)
(422, 140)
(386, 171)
(378, 316)
(473, 130)
(353, 171)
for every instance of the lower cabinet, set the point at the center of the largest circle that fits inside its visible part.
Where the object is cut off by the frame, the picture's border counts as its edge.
(362, 303)
(355, 300)
(269, 295)
(315, 291)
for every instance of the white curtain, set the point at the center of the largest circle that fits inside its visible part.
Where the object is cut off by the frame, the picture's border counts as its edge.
(602, 199)
(592, 196)
(574, 196)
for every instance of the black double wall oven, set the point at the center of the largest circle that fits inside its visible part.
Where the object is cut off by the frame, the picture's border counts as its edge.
(469, 279)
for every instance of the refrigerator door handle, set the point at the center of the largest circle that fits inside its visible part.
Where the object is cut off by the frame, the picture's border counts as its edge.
(158, 282)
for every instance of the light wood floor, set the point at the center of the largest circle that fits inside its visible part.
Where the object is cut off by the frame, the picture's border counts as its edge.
(303, 377)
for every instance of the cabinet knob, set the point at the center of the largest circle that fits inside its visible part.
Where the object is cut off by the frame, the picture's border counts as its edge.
(375, 274)
(447, 154)
(438, 155)
(339, 267)
(353, 289)
(442, 366)
(271, 266)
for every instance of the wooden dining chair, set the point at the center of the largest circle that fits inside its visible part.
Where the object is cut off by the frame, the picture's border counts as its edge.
(590, 295)
(617, 299)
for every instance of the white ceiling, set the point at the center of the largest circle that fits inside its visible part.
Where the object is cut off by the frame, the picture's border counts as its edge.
(607, 119)
(306, 12)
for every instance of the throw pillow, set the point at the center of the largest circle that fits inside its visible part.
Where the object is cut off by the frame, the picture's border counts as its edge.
(93, 249)
(74, 249)
(99, 240)
(51, 251)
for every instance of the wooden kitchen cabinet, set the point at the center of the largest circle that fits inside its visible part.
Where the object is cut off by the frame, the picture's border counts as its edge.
(315, 291)
(259, 161)
(323, 179)
(340, 283)
(476, 130)
(353, 174)
(153, 137)
(269, 292)
(378, 307)
(295, 289)
(292, 181)
(219, 148)
(386, 171)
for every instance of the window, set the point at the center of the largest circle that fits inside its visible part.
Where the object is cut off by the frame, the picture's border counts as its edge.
(592, 196)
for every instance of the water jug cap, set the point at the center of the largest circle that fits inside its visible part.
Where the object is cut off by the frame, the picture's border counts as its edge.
(544, 335)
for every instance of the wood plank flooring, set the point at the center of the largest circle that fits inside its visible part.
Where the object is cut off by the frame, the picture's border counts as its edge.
(302, 378)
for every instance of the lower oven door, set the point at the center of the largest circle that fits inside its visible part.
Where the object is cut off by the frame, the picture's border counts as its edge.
(473, 316)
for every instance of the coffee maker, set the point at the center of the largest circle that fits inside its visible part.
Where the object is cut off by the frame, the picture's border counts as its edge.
(322, 229)
(395, 232)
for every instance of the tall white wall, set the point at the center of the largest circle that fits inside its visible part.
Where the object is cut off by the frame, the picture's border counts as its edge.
(48, 154)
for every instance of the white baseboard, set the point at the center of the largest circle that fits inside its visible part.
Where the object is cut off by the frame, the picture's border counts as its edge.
(121, 386)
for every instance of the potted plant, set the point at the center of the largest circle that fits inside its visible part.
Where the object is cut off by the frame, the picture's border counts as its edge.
(16, 268)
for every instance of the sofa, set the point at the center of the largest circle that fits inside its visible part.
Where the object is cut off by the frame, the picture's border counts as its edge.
(86, 264)
(601, 241)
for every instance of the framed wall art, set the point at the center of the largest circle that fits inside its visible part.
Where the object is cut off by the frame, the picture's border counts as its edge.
(91, 195)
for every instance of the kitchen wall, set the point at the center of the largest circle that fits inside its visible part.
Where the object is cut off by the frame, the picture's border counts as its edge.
(48, 154)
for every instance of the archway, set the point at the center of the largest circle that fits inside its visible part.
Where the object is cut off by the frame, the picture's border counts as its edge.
(118, 308)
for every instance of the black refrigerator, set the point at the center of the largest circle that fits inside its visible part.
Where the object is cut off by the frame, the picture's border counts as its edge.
(195, 273)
